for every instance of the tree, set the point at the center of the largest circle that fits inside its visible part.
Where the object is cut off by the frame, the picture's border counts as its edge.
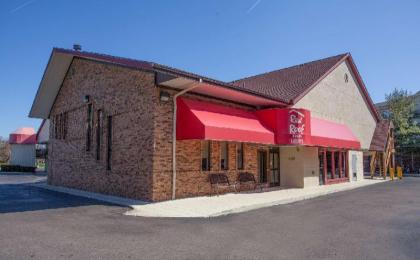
(401, 112)
(4, 150)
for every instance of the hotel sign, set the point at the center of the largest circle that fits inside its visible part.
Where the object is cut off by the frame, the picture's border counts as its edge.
(291, 126)
(296, 126)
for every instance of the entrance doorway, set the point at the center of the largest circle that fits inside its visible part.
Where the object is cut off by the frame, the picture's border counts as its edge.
(274, 167)
(262, 166)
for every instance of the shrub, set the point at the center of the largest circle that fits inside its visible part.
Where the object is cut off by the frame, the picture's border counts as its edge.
(17, 168)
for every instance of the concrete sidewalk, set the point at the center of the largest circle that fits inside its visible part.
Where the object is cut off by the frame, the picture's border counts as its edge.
(203, 207)
(213, 206)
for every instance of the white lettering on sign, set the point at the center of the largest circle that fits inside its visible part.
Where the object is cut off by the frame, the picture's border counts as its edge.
(296, 127)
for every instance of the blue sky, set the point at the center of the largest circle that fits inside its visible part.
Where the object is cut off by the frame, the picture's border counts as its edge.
(222, 39)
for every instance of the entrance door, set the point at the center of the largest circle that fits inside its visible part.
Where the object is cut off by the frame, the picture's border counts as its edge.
(262, 166)
(274, 167)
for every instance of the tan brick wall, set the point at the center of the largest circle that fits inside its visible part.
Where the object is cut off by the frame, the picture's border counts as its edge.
(128, 95)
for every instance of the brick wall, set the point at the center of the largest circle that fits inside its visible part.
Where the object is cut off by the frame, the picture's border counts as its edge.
(141, 165)
(127, 95)
(191, 181)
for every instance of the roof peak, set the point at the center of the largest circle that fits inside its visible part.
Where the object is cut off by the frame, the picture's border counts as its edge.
(293, 66)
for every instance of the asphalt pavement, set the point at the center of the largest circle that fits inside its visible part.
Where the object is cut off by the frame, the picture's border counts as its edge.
(381, 221)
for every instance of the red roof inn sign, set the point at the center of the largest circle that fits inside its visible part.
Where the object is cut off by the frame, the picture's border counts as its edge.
(296, 126)
(291, 126)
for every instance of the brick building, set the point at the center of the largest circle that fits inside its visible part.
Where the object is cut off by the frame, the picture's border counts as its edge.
(113, 128)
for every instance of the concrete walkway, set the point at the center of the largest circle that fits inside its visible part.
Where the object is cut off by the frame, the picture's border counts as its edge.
(203, 207)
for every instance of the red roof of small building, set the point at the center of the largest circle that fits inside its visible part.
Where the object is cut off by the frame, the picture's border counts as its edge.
(24, 135)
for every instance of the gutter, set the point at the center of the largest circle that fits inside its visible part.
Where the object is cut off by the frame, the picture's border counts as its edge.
(193, 86)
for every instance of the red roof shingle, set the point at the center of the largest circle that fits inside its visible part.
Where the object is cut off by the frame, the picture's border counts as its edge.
(289, 83)
(285, 85)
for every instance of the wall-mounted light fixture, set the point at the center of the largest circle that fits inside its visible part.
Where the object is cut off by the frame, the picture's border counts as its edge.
(86, 99)
(164, 96)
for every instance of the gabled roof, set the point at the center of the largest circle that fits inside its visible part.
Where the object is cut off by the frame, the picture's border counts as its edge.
(288, 83)
(380, 136)
(282, 87)
(61, 59)
(293, 83)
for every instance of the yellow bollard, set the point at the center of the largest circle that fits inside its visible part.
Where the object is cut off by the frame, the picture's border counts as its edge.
(399, 172)
(391, 173)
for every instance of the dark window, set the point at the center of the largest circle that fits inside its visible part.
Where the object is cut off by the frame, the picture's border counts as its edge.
(89, 123)
(56, 127)
(329, 164)
(337, 164)
(109, 143)
(205, 156)
(224, 155)
(240, 156)
(321, 167)
(65, 119)
(59, 122)
(98, 134)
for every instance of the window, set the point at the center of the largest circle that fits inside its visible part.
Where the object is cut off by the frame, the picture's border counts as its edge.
(205, 156)
(89, 123)
(98, 134)
(109, 143)
(321, 155)
(337, 161)
(329, 165)
(346, 78)
(240, 156)
(60, 126)
(333, 165)
(65, 115)
(224, 154)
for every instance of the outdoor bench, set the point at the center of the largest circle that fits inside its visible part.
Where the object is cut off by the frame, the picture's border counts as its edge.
(220, 180)
(247, 178)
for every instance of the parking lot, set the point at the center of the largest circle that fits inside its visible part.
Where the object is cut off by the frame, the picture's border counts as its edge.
(381, 221)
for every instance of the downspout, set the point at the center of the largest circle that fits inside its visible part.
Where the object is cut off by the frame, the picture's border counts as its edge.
(194, 85)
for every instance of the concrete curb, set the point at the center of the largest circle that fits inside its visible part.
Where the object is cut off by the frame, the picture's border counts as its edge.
(92, 195)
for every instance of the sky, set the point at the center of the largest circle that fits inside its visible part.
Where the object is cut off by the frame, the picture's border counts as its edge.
(225, 40)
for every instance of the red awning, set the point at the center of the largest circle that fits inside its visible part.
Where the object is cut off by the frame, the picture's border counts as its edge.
(208, 121)
(282, 126)
(329, 134)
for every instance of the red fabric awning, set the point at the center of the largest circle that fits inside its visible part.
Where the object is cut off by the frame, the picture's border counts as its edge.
(208, 121)
(329, 134)
(282, 126)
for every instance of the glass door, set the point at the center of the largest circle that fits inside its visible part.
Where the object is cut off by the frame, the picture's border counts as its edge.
(274, 164)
